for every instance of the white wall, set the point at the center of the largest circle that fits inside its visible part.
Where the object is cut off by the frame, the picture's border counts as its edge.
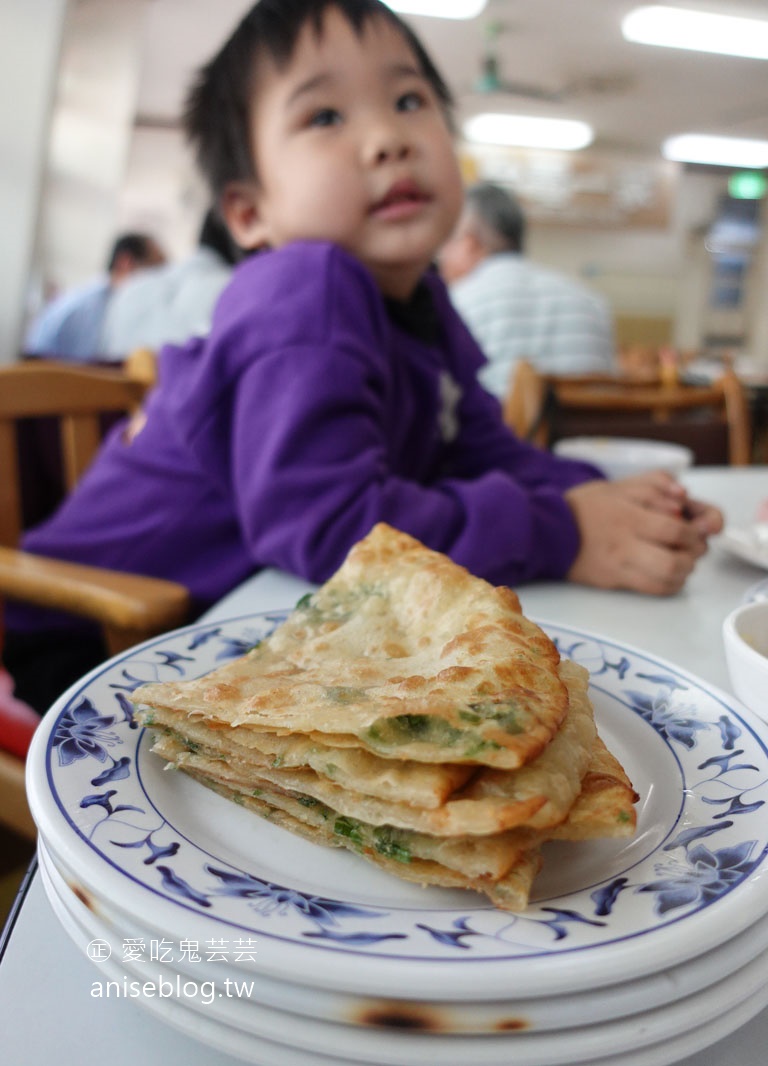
(91, 132)
(104, 175)
(758, 336)
(664, 272)
(30, 35)
(640, 270)
(162, 191)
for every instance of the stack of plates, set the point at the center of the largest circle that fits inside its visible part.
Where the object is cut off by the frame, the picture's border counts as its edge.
(278, 951)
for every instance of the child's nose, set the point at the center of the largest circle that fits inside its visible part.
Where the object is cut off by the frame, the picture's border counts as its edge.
(387, 141)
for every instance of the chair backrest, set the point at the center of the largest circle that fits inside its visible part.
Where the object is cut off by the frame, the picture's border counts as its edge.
(78, 403)
(713, 420)
(77, 399)
(141, 365)
(524, 404)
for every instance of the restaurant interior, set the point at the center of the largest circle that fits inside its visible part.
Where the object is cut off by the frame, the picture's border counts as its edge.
(672, 243)
(675, 239)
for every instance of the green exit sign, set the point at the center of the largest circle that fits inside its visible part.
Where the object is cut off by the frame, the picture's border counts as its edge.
(747, 185)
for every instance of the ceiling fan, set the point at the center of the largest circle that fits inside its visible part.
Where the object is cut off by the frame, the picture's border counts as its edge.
(491, 80)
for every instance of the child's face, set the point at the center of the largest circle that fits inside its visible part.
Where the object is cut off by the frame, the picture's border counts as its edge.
(351, 146)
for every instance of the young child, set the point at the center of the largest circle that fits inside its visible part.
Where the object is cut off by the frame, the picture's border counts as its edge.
(337, 387)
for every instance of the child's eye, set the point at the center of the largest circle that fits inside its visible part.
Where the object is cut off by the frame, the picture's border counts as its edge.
(325, 116)
(410, 101)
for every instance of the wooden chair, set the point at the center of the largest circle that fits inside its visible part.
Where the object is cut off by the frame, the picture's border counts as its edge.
(713, 420)
(128, 607)
(525, 403)
(141, 365)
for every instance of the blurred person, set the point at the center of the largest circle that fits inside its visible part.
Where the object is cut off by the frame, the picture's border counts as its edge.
(515, 308)
(171, 303)
(337, 387)
(69, 327)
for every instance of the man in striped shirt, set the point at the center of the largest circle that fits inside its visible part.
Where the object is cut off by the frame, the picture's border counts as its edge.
(517, 309)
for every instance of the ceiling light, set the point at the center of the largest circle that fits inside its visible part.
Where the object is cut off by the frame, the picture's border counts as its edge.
(528, 132)
(716, 151)
(701, 31)
(444, 9)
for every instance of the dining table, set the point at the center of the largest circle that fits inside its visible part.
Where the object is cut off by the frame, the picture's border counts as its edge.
(47, 1012)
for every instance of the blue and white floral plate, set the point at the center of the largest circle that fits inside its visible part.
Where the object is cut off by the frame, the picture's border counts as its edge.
(230, 1022)
(190, 865)
(512, 1011)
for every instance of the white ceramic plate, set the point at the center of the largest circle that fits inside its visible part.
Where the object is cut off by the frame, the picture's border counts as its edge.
(241, 1017)
(621, 457)
(189, 864)
(515, 1013)
(749, 543)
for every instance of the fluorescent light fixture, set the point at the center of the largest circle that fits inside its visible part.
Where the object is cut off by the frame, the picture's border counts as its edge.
(716, 151)
(443, 9)
(526, 131)
(700, 31)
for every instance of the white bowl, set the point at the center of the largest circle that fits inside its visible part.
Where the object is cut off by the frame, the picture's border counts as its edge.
(745, 637)
(621, 457)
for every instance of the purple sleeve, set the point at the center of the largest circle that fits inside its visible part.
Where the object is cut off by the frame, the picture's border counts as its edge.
(485, 441)
(520, 523)
(313, 471)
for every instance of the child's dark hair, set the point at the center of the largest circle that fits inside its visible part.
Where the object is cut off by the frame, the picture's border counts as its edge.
(218, 106)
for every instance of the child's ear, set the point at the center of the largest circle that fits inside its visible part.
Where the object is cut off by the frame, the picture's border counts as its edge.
(240, 209)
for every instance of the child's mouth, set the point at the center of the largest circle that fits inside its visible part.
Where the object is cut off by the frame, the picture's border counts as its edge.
(403, 199)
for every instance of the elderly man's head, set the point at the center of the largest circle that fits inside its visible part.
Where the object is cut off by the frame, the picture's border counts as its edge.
(492, 222)
(130, 252)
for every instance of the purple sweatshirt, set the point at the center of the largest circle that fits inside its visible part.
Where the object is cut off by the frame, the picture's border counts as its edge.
(309, 414)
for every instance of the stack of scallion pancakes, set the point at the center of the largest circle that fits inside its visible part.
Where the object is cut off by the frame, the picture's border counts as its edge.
(407, 711)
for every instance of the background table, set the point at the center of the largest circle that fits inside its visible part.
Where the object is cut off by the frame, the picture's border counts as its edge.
(47, 1015)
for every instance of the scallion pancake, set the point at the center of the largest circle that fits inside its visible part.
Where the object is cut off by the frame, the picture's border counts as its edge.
(417, 784)
(401, 649)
